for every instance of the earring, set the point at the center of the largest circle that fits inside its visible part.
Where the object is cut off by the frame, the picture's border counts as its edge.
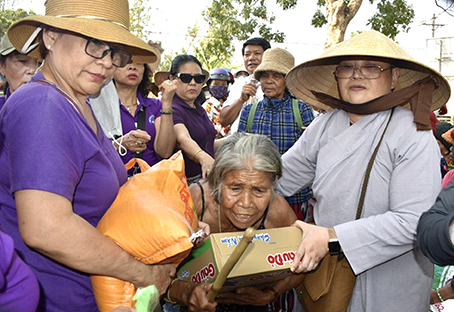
(48, 47)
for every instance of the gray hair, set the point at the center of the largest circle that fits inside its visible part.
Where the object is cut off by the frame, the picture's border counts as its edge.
(242, 151)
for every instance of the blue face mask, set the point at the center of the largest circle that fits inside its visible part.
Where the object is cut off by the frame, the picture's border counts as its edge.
(219, 92)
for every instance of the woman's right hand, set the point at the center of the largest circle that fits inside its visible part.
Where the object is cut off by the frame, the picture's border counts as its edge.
(206, 162)
(159, 275)
(249, 90)
(135, 140)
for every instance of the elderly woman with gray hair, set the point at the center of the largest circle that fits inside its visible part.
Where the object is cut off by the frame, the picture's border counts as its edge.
(239, 193)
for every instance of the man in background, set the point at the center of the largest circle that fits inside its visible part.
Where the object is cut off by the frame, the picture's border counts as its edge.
(245, 90)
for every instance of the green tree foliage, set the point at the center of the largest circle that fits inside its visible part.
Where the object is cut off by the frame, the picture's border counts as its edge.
(7, 17)
(392, 16)
(139, 17)
(236, 19)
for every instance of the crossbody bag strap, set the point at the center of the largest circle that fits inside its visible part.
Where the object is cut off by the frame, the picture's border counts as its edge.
(141, 115)
(297, 114)
(369, 169)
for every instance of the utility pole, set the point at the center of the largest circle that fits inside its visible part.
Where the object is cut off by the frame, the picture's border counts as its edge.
(434, 26)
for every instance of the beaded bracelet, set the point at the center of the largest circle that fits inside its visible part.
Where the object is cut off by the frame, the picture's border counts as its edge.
(439, 295)
(163, 112)
(167, 296)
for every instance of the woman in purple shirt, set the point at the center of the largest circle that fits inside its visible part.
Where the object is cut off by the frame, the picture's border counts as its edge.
(60, 173)
(194, 131)
(155, 138)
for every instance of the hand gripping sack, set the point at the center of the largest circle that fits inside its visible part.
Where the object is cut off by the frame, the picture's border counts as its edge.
(152, 219)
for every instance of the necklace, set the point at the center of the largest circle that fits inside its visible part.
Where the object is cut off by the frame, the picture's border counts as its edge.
(75, 104)
(219, 218)
(129, 108)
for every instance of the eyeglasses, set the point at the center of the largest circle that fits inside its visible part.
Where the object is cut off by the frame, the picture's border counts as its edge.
(99, 49)
(187, 78)
(367, 71)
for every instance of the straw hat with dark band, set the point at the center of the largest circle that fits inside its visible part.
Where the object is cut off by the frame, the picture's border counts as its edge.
(317, 74)
(105, 20)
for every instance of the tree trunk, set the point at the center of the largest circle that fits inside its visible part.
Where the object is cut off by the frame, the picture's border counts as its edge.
(339, 16)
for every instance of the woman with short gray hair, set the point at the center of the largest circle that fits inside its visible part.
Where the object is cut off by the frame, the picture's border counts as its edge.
(239, 193)
(243, 151)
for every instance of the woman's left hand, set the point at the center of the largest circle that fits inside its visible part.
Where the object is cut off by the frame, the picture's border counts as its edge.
(246, 296)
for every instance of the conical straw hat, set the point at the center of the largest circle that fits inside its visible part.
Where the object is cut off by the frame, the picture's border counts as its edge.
(318, 74)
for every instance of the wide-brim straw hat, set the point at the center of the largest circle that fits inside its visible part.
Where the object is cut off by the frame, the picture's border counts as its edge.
(276, 60)
(105, 20)
(318, 74)
(160, 76)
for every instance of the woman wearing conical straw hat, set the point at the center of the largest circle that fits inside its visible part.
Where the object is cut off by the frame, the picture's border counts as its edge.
(60, 173)
(365, 81)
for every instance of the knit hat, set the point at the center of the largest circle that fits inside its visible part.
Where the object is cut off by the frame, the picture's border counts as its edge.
(105, 20)
(318, 74)
(443, 134)
(277, 60)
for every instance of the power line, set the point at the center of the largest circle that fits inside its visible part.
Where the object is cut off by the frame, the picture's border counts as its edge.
(434, 26)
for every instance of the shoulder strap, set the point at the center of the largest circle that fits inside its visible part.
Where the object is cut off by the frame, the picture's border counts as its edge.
(250, 118)
(262, 224)
(203, 199)
(297, 114)
(141, 115)
(368, 170)
(141, 118)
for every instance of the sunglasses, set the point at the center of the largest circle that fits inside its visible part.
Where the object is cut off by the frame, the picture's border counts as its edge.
(187, 78)
(99, 49)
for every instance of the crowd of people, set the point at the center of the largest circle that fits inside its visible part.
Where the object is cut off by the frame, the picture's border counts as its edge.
(344, 146)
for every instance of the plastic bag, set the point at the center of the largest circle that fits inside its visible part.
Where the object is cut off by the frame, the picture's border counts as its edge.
(152, 219)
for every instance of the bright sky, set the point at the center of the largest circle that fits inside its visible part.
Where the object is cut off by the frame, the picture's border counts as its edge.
(170, 21)
(169, 25)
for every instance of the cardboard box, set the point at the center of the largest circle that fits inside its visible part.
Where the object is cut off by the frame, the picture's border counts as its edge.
(266, 260)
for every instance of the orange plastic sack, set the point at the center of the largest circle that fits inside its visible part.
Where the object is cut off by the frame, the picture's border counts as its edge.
(152, 219)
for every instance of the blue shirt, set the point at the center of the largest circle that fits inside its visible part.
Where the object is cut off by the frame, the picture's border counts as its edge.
(275, 119)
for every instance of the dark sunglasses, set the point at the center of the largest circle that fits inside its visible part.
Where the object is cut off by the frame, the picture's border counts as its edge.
(187, 78)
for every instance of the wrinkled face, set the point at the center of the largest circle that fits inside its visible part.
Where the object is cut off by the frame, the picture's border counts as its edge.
(18, 69)
(358, 90)
(252, 57)
(245, 196)
(273, 84)
(188, 91)
(130, 75)
(72, 69)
